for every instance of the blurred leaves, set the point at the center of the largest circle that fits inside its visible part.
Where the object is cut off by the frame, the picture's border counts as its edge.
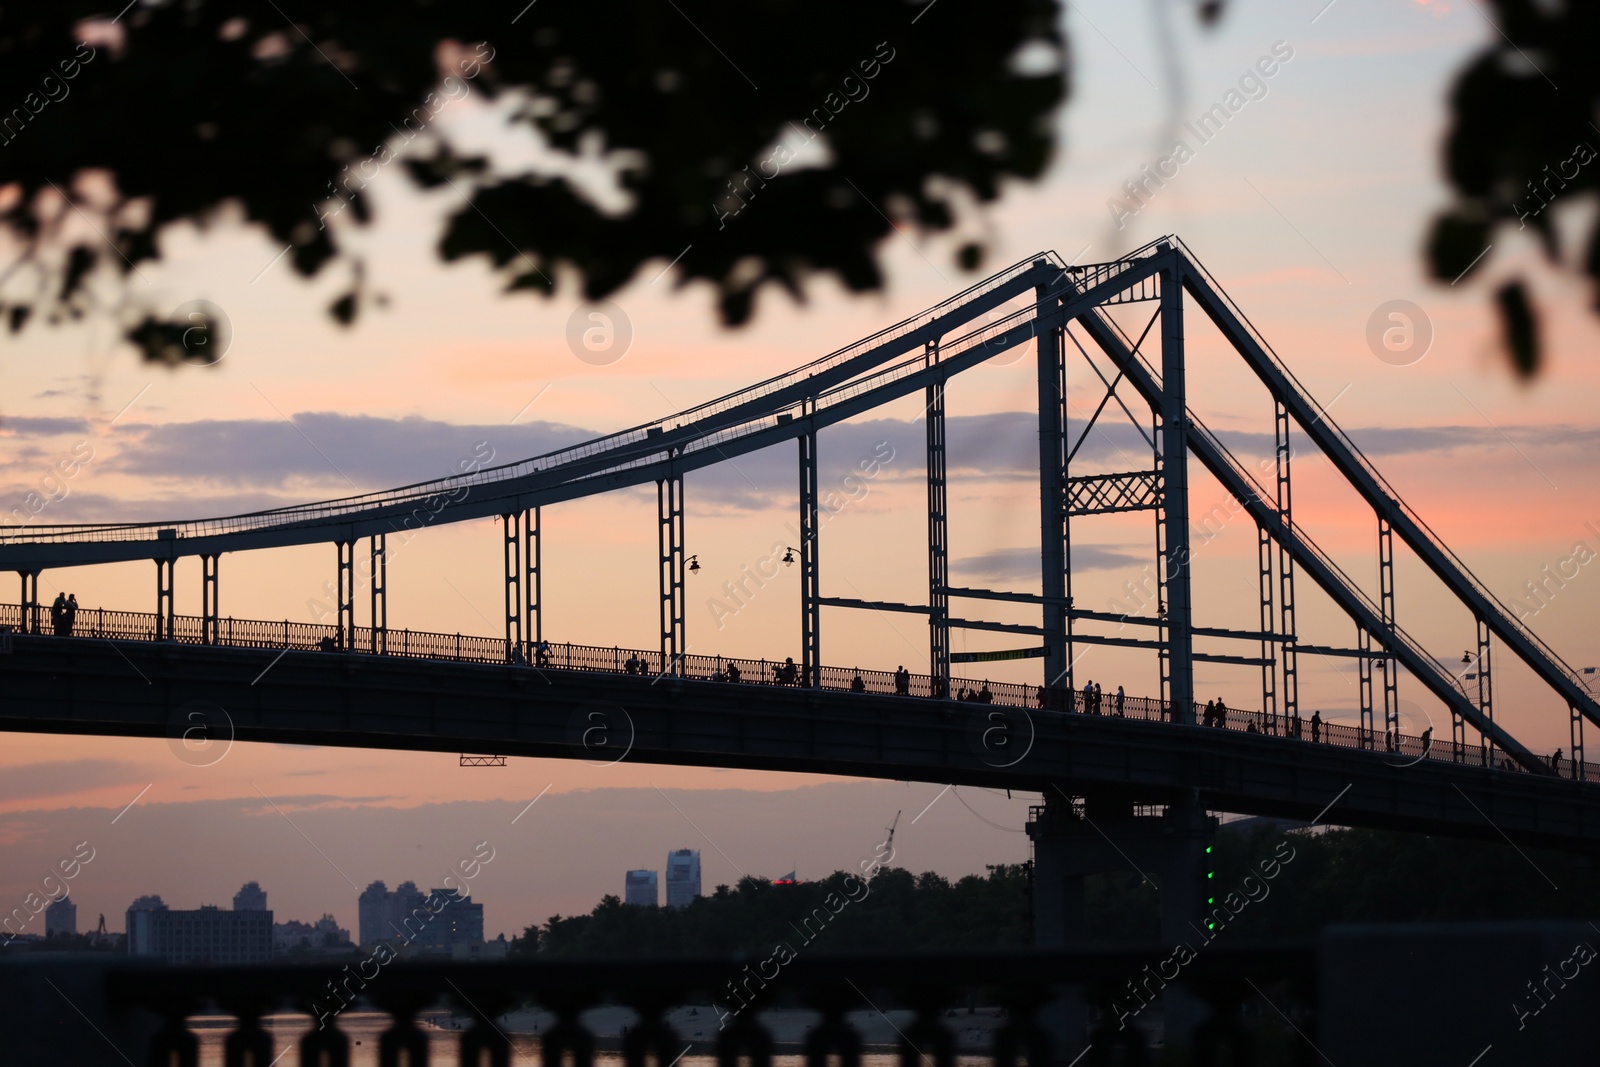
(179, 111)
(1522, 144)
(1521, 331)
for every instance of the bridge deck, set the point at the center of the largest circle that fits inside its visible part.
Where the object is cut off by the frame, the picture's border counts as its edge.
(457, 693)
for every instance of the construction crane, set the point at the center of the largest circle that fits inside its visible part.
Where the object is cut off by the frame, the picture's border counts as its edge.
(888, 843)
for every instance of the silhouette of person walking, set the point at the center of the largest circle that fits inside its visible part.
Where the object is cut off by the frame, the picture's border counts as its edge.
(1295, 725)
(58, 614)
(902, 681)
(1316, 727)
(1210, 718)
(1555, 762)
(1222, 714)
(1120, 699)
(69, 614)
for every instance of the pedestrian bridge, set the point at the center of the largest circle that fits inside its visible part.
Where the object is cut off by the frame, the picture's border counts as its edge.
(1117, 329)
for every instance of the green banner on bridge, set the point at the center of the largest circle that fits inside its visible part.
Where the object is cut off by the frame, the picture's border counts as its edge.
(990, 657)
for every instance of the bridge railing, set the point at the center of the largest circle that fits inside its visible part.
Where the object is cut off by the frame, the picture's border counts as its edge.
(434, 1011)
(96, 623)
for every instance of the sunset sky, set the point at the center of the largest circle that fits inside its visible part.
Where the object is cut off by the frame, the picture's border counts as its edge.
(1310, 207)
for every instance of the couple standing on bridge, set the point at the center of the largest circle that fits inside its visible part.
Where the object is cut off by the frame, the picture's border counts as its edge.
(63, 613)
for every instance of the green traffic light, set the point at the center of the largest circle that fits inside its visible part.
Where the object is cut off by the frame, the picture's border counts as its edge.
(1211, 874)
(1208, 850)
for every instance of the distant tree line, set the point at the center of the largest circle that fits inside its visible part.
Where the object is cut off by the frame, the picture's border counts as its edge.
(1339, 876)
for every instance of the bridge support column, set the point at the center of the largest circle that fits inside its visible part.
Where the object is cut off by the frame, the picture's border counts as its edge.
(1178, 648)
(533, 582)
(1364, 671)
(1391, 697)
(1269, 666)
(347, 595)
(1055, 582)
(1289, 672)
(810, 575)
(1483, 668)
(210, 622)
(166, 618)
(514, 574)
(1073, 839)
(669, 511)
(378, 545)
(938, 540)
(29, 622)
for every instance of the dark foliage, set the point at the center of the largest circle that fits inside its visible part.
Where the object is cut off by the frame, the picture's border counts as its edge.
(1523, 140)
(892, 910)
(1343, 876)
(174, 112)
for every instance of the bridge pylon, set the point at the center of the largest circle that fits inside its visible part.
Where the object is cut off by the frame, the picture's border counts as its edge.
(1106, 831)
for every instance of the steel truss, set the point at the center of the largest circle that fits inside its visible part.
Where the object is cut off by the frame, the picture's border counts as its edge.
(669, 539)
(1041, 301)
(810, 575)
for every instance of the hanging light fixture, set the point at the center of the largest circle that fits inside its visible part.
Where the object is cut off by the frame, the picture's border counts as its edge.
(694, 564)
(788, 557)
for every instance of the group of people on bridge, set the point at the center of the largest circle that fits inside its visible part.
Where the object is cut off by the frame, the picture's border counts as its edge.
(1088, 700)
(63, 613)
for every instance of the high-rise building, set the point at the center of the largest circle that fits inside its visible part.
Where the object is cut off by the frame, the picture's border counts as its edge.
(250, 897)
(205, 935)
(683, 877)
(641, 889)
(372, 920)
(456, 921)
(386, 916)
(431, 924)
(61, 918)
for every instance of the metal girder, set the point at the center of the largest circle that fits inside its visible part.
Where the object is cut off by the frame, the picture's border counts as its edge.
(619, 468)
(1055, 558)
(1172, 406)
(1314, 422)
(210, 625)
(938, 535)
(166, 618)
(347, 595)
(1290, 674)
(533, 583)
(669, 537)
(1364, 670)
(1269, 670)
(1391, 696)
(1103, 494)
(810, 577)
(871, 605)
(30, 602)
(1221, 465)
(378, 550)
(511, 545)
